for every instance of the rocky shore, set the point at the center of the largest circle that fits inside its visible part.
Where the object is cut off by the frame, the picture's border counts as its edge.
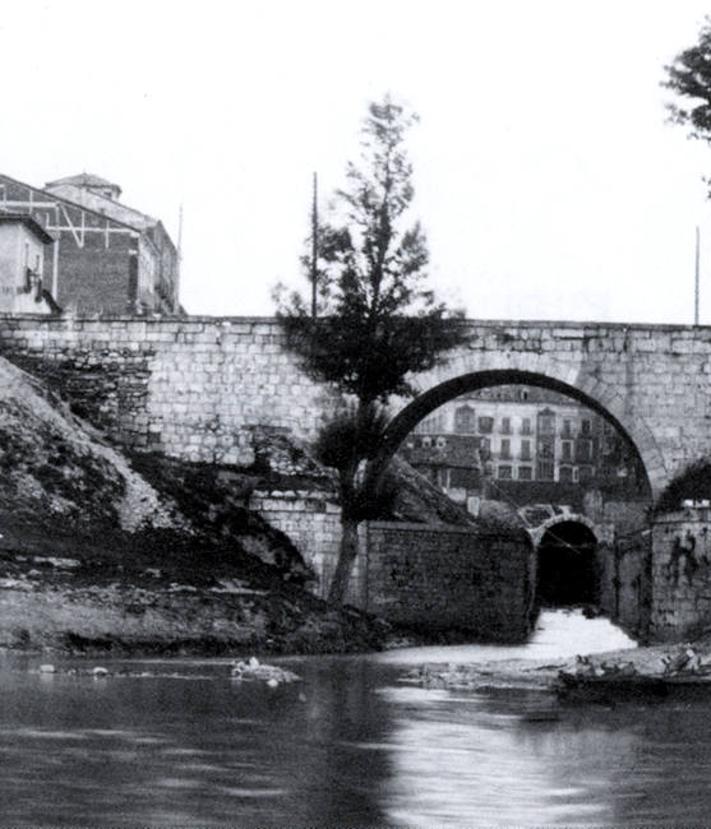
(692, 659)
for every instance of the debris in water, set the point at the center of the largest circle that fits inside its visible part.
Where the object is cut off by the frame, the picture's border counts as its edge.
(254, 670)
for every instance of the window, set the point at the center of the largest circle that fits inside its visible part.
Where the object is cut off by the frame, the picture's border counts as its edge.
(586, 426)
(526, 426)
(523, 394)
(442, 477)
(426, 442)
(525, 450)
(567, 450)
(506, 425)
(486, 425)
(485, 446)
(525, 473)
(583, 450)
(546, 422)
(505, 473)
(545, 449)
(506, 448)
(567, 428)
(585, 473)
(464, 420)
(565, 474)
(441, 442)
(545, 470)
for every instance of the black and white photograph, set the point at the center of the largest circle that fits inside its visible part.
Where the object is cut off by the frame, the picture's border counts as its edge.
(355, 414)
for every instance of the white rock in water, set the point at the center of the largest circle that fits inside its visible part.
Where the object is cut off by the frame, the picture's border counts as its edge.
(47, 669)
(100, 672)
(253, 663)
(273, 683)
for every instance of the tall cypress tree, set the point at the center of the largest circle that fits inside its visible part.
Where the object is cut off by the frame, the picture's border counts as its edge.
(377, 319)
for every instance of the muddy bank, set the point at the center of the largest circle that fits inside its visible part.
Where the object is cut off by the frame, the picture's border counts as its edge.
(171, 607)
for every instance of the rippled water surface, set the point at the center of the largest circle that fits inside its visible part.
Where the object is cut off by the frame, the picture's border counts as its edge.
(348, 746)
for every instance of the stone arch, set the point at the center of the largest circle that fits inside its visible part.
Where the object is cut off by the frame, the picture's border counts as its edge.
(477, 370)
(538, 532)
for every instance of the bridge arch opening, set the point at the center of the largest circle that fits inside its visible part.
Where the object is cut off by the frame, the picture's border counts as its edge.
(633, 430)
(566, 573)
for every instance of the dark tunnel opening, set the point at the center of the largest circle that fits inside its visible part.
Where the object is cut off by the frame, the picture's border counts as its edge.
(567, 573)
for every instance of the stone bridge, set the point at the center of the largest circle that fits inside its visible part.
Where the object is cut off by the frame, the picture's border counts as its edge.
(196, 387)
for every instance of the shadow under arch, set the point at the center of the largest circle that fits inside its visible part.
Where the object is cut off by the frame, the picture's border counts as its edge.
(634, 429)
(566, 570)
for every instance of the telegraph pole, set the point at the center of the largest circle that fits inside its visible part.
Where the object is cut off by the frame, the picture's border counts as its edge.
(696, 277)
(314, 247)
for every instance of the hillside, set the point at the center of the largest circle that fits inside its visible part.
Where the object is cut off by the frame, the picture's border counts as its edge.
(93, 556)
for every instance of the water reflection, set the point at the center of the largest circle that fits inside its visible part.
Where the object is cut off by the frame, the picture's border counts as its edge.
(349, 746)
(467, 762)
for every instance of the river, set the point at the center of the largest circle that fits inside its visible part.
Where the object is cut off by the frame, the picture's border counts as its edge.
(350, 745)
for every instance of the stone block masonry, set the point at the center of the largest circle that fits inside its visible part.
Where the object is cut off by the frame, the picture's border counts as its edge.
(443, 578)
(193, 387)
(199, 389)
(624, 571)
(420, 576)
(312, 523)
(681, 575)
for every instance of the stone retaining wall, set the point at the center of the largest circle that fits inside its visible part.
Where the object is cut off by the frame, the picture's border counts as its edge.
(417, 575)
(624, 569)
(312, 523)
(439, 578)
(681, 575)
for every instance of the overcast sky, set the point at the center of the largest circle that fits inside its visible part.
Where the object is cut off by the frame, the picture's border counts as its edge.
(547, 180)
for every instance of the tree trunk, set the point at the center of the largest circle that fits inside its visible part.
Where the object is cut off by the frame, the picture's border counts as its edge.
(346, 558)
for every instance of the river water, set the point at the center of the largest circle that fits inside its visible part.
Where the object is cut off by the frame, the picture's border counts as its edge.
(348, 746)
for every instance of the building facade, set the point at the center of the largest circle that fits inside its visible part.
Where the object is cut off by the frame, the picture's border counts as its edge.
(523, 434)
(23, 247)
(107, 257)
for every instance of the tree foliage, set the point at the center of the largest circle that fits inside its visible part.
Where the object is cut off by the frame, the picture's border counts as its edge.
(689, 76)
(377, 320)
(692, 483)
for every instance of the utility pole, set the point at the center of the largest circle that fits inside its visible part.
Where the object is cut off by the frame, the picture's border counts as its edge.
(314, 247)
(696, 277)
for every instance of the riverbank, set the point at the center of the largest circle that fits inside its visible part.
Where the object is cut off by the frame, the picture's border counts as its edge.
(189, 604)
(104, 553)
(588, 651)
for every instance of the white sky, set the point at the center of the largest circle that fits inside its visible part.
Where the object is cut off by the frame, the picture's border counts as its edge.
(547, 180)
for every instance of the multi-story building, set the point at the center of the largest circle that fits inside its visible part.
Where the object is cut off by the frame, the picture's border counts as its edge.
(23, 246)
(106, 257)
(527, 434)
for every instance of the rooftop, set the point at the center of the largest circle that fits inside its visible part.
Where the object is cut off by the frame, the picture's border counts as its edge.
(88, 180)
